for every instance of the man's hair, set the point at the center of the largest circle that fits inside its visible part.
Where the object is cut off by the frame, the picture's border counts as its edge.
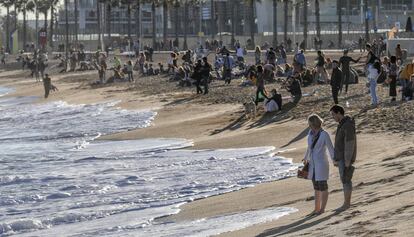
(337, 109)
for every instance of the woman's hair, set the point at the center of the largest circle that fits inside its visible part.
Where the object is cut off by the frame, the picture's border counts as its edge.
(257, 48)
(393, 59)
(315, 121)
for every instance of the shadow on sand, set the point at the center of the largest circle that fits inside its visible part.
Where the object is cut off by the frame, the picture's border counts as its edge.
(299, 225)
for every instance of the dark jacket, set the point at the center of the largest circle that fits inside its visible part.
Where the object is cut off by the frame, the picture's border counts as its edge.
(336, 78)
(345, 141)
(294, 88)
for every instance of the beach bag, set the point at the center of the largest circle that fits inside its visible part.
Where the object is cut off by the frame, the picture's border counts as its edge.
(303, 173)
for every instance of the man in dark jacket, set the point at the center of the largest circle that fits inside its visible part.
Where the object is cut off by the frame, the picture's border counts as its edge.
(336, 79)
(205, 74)
(345, 151)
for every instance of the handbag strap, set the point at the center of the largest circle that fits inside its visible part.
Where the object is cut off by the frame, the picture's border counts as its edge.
(315, 139)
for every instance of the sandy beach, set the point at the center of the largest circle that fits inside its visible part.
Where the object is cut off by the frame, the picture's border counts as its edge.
(382, 202)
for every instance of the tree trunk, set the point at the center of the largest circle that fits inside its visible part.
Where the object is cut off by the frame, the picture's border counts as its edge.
(76, 22)
(185, 24)
(165, 23)
(8, 29)
(98, 21)
(45, 20)
(339, 5)
(52, 10)
(233, 23)
(318, 20)
(305, 23)
(24, 29)
(285, 24)
(108, 23)
(275, 23)
(66, 35)
(138, 20)
(213, 19)
(15, 16)
(366, 21)
(154, 25)
(129, 20)
(252, 23)
(177, 23)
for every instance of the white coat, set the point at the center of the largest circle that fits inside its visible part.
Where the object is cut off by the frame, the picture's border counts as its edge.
(318, 156)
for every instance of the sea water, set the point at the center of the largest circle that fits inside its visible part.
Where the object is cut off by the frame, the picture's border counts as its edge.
(56, 179)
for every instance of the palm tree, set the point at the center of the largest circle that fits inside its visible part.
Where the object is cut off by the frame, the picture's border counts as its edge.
(274, 23)
(233, 23)
(213, 19)
(305, 22)
(285, 23)
(128, 3)
(185, 24)
(154, 24)
(366, 21)
(75, 2)
(249, 18)
(66, 34)
(138, 19)
(52, 20)
(339, 10)
(7, 4)
(318, 20)
(165, 22)
(177, 21)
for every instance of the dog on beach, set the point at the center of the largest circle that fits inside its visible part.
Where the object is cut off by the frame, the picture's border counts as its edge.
(249, 109)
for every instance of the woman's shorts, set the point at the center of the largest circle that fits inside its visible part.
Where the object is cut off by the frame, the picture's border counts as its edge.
(320, 185)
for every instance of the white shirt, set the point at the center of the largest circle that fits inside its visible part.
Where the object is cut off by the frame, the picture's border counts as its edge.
(240, 52)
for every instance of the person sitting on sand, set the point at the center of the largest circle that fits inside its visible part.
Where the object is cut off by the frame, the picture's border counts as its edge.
(288, 70)
(151, 71)
(294, 88)
(316, 157)
(274, 103)
(408, 92)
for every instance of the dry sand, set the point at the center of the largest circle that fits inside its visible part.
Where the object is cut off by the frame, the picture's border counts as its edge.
(383, 197)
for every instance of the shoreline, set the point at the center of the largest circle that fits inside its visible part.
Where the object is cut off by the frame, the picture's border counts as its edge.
(212, 127)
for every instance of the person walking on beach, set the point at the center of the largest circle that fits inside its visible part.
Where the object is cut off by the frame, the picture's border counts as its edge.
(336, 80)
(228, 64)
(345, 151)
(344, 62)
(392, 75)
(316, 156)
(197, 76)
(129, 70)
(260, 87)
(320, 67)
(257, 55)
(373, 73)
(47, 84)
(205, 74)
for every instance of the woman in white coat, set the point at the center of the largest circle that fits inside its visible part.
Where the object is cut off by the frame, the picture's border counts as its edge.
(316, 155)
